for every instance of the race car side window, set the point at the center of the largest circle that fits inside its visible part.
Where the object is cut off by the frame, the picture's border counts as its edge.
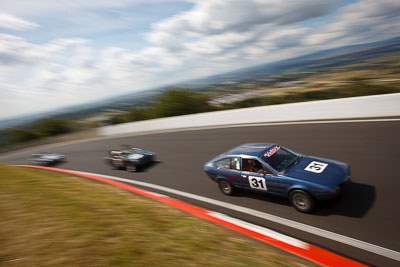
(253, 165)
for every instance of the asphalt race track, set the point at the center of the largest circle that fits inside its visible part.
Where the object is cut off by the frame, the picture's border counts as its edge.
(368, 210)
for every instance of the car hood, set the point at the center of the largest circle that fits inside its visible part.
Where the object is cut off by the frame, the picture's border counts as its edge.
(50, 157)
(142, 152)
(319, 170)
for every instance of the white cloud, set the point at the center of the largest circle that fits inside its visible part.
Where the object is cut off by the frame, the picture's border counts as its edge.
(70, 71)
(16, 51)
(36, 77)
(216, 44)
(39, 8)
(363, 21)
(211, 37)
(8, 21)
(219, 17)
(241, 33)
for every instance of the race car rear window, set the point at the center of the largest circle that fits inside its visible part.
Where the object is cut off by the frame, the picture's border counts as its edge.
(224, 163)
(228, 163)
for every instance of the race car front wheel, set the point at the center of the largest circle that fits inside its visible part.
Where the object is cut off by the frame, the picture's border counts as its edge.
(226, 187)
(302, 201)
(131, 167)
(115, 166)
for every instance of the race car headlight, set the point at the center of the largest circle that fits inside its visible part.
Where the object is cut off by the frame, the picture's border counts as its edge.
(335, 190)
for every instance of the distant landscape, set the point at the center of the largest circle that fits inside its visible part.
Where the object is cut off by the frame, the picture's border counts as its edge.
(367, 69)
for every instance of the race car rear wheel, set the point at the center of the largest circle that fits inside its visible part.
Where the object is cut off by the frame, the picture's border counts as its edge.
(226, 187)
(302, 201)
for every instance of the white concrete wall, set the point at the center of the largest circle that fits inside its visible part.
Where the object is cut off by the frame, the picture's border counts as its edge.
(345, 108)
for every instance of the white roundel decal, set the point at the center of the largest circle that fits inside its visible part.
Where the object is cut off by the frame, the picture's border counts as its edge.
(316, 167)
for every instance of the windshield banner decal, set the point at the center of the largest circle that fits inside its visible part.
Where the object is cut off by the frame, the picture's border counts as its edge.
(272, 151)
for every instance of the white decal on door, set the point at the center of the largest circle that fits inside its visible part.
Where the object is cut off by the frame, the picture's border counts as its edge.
(257, 183)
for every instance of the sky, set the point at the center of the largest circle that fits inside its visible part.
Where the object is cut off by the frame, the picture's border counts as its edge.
(55, 54)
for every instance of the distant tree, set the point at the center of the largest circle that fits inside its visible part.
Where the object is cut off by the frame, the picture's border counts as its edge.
(5, 137)
(138, 115)
(23, 135)
(119, 119)
(50, 127)
(180, 101)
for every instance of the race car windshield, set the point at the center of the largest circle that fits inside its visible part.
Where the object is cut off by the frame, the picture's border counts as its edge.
(280, 158)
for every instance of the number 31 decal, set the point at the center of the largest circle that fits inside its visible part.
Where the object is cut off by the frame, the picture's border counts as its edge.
(257, 183)
(316, 167)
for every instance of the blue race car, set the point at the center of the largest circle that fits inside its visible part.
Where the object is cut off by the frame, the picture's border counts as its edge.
(279, 171)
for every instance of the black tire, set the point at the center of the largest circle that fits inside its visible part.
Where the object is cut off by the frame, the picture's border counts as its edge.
(226, 187)
(113, 166)
(302, 201)
(130, 167)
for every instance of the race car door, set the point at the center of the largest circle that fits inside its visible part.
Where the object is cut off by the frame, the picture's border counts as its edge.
(258, 177)
(229, 169)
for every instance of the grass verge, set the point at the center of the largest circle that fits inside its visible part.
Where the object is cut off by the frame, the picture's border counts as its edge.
(52, 219)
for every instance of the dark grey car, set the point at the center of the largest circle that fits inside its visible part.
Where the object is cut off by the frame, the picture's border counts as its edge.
(47, 159)
(129, 159)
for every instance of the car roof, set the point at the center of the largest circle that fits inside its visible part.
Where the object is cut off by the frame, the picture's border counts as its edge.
(251, 149)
